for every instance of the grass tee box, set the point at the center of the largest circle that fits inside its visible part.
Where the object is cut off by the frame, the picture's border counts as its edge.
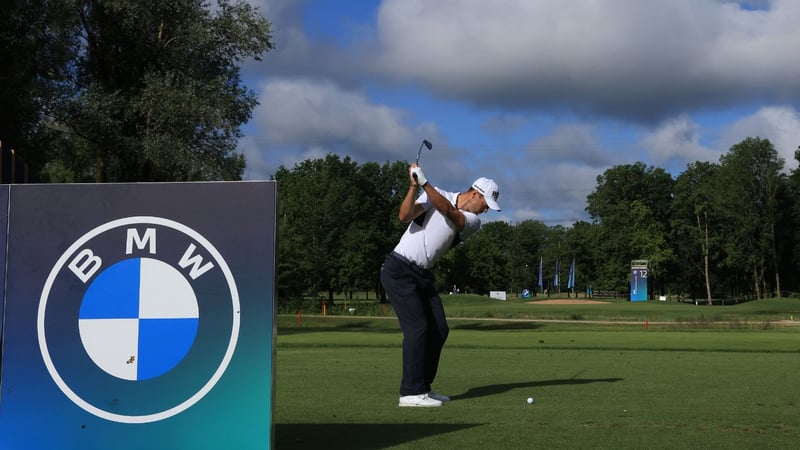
(136, 317)
(702, 377)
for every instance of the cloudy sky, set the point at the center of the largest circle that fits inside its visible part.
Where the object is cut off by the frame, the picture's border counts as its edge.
(541, 95)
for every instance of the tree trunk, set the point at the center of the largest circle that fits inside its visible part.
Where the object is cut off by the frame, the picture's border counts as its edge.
(705, 260)
(775, 262)
(381, 294)
(755, 282)
(708, 281)
(100, 170)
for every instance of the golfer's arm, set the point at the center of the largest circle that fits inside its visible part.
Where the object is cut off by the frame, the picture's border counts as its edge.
(444, 206)
(410, 209)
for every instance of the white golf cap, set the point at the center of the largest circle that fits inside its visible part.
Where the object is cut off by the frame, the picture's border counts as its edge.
(488, 188)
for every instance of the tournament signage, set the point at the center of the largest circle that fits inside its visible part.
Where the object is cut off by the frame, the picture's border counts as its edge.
(138, 316)
(639, 280)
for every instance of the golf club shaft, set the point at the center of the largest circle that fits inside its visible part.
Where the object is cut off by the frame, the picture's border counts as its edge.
(425, 143)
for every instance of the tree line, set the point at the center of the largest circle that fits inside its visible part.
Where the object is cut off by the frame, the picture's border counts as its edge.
(118, 90)
(725, 230)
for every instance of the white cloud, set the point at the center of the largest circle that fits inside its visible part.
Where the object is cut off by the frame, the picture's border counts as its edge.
(551, 180)
(779, 124)
(631, 58)
(257, 167)
(576, 67)
(274, 8)
(676, 142)
(308, 113)
(572, 142)
(555, 193)
(307, 119)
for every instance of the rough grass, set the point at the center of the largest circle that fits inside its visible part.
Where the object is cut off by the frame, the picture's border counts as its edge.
(758, 314)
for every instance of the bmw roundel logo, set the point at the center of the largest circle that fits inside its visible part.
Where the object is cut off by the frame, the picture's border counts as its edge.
(138, 319)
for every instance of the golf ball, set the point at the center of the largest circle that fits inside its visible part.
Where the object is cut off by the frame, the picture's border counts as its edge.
(530, 400)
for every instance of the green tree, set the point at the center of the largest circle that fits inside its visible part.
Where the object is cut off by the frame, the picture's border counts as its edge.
(793, 194)
(376, 193)
(554, 252)
(337, 222)
(297, 230)
(527, 240)
(747, 186)
(783, 241)
(695, 233)
(155, 92)
(581, 242)
(36, 44)
(632, 204)
(317, 197)
(488, 258)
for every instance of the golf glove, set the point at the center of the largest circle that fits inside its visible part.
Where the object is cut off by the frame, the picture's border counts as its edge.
(416, 172)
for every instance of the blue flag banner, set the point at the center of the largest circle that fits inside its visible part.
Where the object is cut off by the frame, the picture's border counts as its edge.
(555, 281)
(571, 280)
(541, 284)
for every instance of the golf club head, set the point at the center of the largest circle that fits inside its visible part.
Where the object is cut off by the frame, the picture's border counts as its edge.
(425, 143)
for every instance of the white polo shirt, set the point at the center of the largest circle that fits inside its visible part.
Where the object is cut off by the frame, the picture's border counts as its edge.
(425, 244)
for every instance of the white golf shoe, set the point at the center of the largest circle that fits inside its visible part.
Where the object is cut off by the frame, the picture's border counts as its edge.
(421, 400)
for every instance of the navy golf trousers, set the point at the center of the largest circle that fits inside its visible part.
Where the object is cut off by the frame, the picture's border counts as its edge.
(421, 315)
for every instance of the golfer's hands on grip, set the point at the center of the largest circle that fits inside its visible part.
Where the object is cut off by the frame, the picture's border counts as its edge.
(417, 175)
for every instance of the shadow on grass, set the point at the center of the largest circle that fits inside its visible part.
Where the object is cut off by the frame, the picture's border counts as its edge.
(343, 326)
(493, 326)
(356, 435)
(494, 389)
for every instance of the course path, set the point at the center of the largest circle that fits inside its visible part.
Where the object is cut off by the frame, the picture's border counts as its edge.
(789, 323)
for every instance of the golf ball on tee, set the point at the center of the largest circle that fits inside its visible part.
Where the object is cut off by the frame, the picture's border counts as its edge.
(530, 400)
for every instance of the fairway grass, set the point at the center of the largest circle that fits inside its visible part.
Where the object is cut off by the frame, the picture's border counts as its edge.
(595, 386)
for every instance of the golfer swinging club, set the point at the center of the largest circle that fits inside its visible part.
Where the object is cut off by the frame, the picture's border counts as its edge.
(438, 221)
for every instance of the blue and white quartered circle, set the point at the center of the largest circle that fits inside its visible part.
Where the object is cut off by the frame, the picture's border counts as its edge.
(142, 307)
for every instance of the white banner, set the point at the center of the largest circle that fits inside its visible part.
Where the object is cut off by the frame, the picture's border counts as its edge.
(499, 295)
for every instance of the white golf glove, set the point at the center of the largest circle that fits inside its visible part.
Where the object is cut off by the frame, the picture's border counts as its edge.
(417, 174)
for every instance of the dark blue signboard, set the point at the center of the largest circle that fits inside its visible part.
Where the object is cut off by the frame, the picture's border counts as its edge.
(138, 316)
(639, 281)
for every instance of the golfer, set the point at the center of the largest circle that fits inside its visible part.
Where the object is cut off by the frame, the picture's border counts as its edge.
(438, 221)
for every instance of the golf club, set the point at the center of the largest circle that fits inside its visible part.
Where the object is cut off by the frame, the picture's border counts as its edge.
(425, 143)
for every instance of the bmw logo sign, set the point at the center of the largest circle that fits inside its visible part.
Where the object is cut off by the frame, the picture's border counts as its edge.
(138, 319)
